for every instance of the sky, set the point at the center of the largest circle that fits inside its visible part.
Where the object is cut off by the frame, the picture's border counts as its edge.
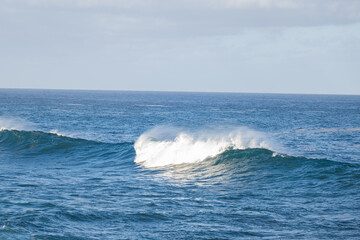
(259, 46)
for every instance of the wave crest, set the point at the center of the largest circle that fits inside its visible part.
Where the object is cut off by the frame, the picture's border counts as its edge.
(163, 146)
(36, 140)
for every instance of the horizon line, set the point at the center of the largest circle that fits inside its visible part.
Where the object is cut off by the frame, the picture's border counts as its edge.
(179, 91)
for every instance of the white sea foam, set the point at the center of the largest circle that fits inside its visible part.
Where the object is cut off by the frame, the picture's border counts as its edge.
(55, 131)
(151, 105)
(75, 104)
(163, 146)
(325, 130)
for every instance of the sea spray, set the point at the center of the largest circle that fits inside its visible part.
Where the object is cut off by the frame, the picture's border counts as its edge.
(14, 123)
(163, 146)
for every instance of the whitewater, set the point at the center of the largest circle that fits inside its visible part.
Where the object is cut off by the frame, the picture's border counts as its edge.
(164, 145)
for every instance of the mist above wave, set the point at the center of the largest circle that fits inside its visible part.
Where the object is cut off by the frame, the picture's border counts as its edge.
(13, 123)
(163, 146)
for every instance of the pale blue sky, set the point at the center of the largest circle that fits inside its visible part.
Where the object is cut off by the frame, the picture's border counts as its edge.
(268, 46)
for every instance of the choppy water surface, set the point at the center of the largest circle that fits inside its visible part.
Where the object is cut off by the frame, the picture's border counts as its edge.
(156, 165)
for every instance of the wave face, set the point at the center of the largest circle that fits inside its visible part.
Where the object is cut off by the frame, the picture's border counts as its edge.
(45, 145)
(37, 141)
(163, 146)
(243, 166)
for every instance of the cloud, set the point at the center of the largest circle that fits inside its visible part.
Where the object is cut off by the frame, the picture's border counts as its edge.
(185, 18)
(89, 3)
(251, 3)
(337, 5)
(222, 14)
(113, 23)
(322, 5)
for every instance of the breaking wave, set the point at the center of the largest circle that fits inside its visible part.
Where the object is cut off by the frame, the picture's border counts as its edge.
(163, 146)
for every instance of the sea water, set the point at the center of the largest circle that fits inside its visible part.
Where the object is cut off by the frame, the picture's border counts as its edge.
(172, 165)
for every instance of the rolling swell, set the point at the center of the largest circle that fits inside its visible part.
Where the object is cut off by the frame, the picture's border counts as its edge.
(48, 145)
(263, 166)
(230, 164)
(234, 156)
(264, 159)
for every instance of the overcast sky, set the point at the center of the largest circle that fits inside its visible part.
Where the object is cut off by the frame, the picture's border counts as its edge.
(265, 46)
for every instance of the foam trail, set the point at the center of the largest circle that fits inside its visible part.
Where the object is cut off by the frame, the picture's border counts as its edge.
(163, 146)
(56, 132)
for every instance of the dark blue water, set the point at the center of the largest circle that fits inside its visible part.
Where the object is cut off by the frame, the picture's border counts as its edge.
(156, 165)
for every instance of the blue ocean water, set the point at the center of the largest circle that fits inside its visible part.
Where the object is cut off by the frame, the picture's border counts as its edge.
(166, 165)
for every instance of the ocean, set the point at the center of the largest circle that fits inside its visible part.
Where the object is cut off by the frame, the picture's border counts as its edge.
(178, 165)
